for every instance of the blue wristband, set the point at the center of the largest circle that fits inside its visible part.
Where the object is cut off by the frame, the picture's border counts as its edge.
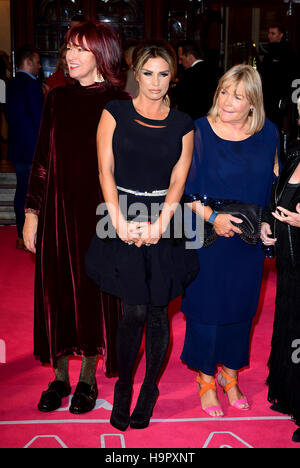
(212, 217)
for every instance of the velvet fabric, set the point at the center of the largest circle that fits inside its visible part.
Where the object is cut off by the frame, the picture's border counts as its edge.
(71, 315)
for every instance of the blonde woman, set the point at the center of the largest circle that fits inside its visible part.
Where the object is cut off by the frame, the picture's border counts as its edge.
(234, 156)
(144, 151)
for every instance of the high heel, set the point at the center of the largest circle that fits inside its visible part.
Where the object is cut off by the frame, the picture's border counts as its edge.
(296, 435)
(205, 387)
(242, 403)
(120, 416)
(142, 413)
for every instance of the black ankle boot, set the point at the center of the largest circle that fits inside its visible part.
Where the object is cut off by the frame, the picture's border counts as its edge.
(142, 413)
(120, 416)
(279, 409)
(296, 435)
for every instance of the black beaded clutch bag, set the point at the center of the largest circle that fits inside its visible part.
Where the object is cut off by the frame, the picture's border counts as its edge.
(251, 215)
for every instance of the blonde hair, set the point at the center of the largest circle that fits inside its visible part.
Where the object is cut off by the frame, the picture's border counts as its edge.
(149, 49)
(61, 61)
(251, 80)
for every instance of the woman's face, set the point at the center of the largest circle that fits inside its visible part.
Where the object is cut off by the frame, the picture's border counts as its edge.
(233, 105)
(154, 78)
(82, 63)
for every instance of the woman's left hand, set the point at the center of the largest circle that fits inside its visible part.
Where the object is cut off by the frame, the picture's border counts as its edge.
(288, 217)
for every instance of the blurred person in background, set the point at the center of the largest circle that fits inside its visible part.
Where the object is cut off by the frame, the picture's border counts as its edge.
(23, 111)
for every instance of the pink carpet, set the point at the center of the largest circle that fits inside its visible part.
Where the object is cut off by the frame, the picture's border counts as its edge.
(178, 421)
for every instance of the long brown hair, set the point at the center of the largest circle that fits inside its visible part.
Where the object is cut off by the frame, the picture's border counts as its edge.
(149, 49)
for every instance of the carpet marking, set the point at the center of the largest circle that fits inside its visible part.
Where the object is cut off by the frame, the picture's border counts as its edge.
(58, 439)
(120, 436)
(2, 352)
(212, 434)
(106, 421)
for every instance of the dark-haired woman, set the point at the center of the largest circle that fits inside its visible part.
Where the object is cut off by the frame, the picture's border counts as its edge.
(71, 316)
(144, 151)
(281, 228)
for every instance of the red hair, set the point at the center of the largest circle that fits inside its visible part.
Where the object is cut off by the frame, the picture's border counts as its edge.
(103, 42)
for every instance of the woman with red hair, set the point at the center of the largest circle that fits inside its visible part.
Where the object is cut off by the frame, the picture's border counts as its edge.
(71, 316)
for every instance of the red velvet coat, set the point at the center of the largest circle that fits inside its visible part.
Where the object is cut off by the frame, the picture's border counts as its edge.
(71, 315)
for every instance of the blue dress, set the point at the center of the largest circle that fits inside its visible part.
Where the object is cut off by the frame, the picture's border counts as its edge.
(221, 303)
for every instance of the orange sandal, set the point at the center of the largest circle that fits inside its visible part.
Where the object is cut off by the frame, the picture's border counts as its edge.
(205, 387)
(232, 381)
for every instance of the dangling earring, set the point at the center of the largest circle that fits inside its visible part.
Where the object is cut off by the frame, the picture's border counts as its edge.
(98, 78)
(251, 110)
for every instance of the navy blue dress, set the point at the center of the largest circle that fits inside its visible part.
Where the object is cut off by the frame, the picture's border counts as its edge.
(221, 303)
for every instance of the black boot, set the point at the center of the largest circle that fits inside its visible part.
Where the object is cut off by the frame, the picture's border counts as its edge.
(143, 410)
(129, 338)
(279, 409)
(157, 342)
(296, 435)
(120, 416)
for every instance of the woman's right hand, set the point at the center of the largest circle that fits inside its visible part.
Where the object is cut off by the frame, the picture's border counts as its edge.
(265, 234)
(29, 231)
(224, 227)
(128, 232)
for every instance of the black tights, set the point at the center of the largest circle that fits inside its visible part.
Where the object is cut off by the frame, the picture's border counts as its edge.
(129, 338)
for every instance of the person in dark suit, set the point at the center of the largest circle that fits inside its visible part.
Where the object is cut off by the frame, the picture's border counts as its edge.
(24, 104)
(278, 70)
(194, 91)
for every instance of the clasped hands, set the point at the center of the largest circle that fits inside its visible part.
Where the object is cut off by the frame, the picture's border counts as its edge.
(284, 216)
(139, 233)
